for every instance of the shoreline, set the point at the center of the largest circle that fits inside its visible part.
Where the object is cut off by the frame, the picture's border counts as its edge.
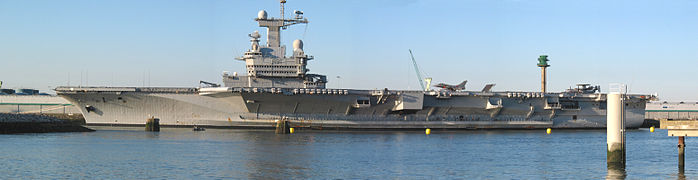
(31, 123)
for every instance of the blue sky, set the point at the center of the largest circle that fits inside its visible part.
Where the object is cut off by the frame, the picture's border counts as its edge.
(650, 45)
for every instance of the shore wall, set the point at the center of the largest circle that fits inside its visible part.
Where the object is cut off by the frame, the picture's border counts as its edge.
(72, 118)
(30, 123)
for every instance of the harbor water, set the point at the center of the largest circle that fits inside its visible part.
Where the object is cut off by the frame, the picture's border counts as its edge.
(180, 153)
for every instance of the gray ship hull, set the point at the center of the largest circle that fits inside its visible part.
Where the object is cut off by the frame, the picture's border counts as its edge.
(350, 109)
(280, 87)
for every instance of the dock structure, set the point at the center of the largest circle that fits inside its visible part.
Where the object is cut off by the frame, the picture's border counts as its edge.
(681, 129)
(671, 110)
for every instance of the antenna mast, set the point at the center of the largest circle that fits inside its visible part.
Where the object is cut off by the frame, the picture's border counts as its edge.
(282, 14)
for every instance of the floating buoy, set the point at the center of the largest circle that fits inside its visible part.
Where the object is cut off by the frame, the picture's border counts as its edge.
(548, 131)
(428, 131)
(652, 129)
(291, 130)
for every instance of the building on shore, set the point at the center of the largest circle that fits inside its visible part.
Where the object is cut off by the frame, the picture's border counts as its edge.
(36, 104)
(671, 110)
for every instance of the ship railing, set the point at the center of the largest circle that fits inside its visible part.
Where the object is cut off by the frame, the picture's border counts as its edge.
(306, 118)
(166, 90)
(289, 91)
(443, 95)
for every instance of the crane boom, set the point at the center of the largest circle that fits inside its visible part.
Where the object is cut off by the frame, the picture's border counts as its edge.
(416, 70)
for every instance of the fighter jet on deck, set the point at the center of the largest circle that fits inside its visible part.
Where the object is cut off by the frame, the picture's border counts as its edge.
(460, 86)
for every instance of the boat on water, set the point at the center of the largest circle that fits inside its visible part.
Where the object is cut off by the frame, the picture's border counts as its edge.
(280, 87)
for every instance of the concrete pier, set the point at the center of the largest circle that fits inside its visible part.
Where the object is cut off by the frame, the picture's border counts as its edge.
(615, 131)
(680, 129)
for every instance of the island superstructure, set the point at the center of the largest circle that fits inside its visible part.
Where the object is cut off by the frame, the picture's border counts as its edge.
(280, 87)
(268, 66)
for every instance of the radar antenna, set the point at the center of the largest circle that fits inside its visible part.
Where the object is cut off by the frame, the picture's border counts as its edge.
(282, 12)
(275, 25)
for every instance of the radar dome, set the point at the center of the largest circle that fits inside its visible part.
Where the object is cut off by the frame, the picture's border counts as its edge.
(262, 14)
(255, 34)
(298, 44)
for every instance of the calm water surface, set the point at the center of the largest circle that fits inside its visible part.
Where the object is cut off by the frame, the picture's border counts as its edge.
(179, 153)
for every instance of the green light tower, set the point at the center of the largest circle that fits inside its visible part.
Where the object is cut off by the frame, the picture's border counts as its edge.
(543, 63)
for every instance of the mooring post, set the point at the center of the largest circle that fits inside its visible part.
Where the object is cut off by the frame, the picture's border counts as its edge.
(152, 124)
(615, 132)
(682, 150)
(282, 126)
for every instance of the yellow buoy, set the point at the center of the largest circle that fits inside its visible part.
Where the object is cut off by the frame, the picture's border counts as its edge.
(291, 130)
(548, 131)
(428, 131)
(652, 129)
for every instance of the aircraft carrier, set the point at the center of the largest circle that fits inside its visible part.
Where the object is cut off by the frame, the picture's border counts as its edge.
(279, 87)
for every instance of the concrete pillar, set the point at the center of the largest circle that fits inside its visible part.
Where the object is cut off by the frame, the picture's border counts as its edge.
(152, 124)
(283, 126)
(615, 173)
(615, 132)
(682, 150)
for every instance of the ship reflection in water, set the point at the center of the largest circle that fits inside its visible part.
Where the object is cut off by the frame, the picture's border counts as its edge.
(179, 153)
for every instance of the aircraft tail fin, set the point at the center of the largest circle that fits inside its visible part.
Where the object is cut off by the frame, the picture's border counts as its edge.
(488, 87)
(462, 85)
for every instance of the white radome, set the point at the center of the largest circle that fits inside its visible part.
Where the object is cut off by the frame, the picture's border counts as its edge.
(298, 44)
(262, 14)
